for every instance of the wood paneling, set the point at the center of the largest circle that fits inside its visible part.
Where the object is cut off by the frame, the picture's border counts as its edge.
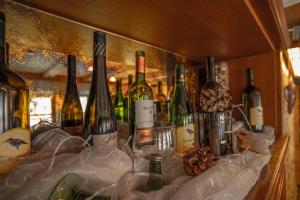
(194, 29)
(270, 185)
(265, 75)
(293, 15)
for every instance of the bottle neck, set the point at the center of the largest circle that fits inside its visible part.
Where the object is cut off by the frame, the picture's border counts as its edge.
(211, 73)
(250, 77)
(180, 78)
(118, 87)
(2, 45)
(72, 83)
(140, 68)
(99, 74)
(159, 88)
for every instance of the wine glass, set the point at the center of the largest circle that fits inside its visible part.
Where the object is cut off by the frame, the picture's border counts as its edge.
(154, 144)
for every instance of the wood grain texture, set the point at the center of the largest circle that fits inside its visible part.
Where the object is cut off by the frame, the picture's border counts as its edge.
(293, 15)
(193, 29)
(270, 185)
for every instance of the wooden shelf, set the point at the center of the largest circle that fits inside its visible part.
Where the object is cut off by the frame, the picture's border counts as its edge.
(194, 29)
(271, 184)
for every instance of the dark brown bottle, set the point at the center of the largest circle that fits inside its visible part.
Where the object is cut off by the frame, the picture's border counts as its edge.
(252, 101)
(100, 122)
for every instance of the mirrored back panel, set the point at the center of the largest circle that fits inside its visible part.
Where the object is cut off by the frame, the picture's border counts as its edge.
(40, 42)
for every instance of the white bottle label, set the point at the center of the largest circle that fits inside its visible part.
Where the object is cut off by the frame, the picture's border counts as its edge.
(185, 137)
(144, 113)
(256, 116)
(107, 140)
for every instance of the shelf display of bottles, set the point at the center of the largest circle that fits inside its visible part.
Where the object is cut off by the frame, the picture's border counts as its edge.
(140, 98)
(182, 113)
(252, 102)
(71, 113)
(14, 108)
(119, 102)
(100, 124)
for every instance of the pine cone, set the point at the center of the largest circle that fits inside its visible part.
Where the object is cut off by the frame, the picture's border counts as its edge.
(197, 160)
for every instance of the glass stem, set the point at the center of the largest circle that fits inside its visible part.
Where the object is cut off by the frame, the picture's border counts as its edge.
(155, 180)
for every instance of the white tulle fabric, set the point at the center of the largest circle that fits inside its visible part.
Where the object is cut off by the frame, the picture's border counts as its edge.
(231, 178)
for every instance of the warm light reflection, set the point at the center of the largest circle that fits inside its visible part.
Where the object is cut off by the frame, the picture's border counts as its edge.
(112, 79)
(294, 55)
(90, 68)
(283, 65)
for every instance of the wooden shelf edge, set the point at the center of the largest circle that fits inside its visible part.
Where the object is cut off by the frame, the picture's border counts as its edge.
(270, 18)
(270, 185)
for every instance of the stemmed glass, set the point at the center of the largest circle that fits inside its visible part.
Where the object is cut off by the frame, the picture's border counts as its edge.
(154, 144)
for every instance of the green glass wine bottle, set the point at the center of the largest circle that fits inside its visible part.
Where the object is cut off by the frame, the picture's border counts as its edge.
(182, 114)
(126, 97)
(140, 98)
(71, 113)
(100, 123)
(119, 103)
(169, 96)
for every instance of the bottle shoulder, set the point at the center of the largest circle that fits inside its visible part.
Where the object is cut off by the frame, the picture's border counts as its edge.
(180, 102)
(140, 88)
(252, 89)
(11, 78)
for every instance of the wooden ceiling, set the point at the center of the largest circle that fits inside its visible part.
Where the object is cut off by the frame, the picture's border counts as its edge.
(293, 15)
(194, 29)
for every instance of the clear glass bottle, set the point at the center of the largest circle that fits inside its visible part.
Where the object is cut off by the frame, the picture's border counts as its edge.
(140, 98)
(100, 122)
(71, 113)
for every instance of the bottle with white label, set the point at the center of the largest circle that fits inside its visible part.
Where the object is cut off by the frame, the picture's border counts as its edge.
(252, 101)
(140, 98)
(182, 114)
(100, 122)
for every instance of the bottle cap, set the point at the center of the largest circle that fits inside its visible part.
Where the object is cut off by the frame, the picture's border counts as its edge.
(99, 36)
(140, 53)
(71, 58)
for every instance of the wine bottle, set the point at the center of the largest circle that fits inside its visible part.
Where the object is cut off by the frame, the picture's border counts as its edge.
(182, 114)
(252, 101)
(119, 103)
(140, 98)
(100, 122)
(71, 113)
(169, 96)
(161, 98)
(14, 109)
(126, 96)
(214, 134)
